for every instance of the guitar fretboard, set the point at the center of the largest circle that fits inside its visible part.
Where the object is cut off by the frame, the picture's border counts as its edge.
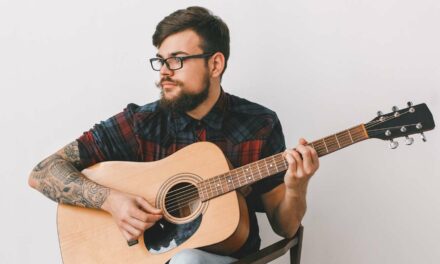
(271, 165)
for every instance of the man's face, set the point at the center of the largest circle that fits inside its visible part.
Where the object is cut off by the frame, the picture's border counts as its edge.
(186, 88)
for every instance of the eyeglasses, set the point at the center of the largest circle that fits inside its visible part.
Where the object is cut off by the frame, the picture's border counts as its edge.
(175, 63)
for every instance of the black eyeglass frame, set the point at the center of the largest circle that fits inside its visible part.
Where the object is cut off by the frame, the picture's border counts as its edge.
(178, 58)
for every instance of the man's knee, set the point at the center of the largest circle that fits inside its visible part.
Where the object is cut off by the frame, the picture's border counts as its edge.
(188, 256)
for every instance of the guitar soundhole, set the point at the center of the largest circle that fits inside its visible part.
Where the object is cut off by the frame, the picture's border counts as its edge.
(182, 200)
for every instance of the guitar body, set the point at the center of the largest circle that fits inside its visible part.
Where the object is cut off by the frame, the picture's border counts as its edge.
(220, 225)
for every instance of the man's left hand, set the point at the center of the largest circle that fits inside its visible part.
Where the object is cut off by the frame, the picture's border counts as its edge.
(303, 163)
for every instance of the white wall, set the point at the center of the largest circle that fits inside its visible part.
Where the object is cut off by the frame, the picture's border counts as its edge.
(323, 66)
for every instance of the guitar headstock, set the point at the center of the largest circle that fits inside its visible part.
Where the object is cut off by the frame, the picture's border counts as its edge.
(401, 123)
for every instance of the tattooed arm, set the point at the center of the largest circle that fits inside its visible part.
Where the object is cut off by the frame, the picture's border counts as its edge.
(59, 178)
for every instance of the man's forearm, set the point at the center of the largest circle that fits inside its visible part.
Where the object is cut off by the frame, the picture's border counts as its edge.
(59, 180)
(290, 212)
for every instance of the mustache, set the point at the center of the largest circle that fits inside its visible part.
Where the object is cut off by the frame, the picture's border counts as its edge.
(166, 79)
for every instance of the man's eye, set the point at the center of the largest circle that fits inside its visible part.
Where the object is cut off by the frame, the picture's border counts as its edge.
(175, 59)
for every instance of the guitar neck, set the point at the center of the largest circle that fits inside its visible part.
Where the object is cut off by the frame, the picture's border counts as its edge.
(271, 165)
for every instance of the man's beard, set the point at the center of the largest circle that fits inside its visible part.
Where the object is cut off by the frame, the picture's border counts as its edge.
(184, 102)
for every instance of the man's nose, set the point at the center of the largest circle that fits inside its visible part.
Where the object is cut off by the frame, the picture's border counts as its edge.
(165, 71)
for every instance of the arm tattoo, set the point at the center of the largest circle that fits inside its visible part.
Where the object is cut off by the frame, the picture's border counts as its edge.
(59, 179)
(71, 153)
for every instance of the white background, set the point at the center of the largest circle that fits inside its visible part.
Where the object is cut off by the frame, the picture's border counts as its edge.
(323, 66)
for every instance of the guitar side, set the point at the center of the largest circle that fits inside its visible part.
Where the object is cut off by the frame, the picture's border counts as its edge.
(91, 235)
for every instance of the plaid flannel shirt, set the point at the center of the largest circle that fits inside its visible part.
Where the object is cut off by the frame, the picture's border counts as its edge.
(243, 130)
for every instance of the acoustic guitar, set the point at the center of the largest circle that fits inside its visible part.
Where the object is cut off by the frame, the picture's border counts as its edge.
(197, 190)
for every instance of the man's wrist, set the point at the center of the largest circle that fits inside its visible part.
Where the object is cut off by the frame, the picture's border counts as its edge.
(296, 193)
(106, 205)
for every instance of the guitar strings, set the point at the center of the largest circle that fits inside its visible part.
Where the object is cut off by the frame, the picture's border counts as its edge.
(217, 178)
(185, 192)
(190, 197)
(179, 190)
(382, 129)
(374, 123)
(185, 198)
(188, 193)
(175, 203)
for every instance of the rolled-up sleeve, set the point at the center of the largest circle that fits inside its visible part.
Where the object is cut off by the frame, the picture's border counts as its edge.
(112, 139)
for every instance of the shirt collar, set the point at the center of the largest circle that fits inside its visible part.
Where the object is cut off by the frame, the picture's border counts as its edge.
(213, 119)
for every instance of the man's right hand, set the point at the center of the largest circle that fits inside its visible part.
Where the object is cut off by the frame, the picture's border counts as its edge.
(132, 214)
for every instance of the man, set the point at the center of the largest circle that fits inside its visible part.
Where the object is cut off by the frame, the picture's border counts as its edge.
(193, 50)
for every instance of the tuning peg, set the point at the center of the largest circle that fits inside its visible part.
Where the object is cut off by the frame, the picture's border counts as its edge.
(395, 110)
(409, 140)
(409, 104)
(393, 144)
(380, 115)
(423, 137)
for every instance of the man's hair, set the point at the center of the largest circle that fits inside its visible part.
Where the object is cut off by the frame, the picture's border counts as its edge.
(213, 32)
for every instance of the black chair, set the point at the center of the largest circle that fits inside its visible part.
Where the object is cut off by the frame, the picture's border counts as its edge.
(278, 249)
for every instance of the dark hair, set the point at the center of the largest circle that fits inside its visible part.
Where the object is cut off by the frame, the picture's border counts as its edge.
(211, 29)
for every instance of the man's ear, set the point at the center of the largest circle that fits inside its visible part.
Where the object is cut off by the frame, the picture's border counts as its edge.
(217, 64)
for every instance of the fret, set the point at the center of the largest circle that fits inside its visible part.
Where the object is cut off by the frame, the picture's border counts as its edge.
(272, 169)
(325, 145)
(267, 168)
(259, 172)
(225, 183)
(208, 190)
(254, 169)
(246, 176)
(235, 178)
(330, 143)
(275, 162)
(200, 188)
(248, 171)
(213, 187)
(336, 137)
(216, 185)
(249, 178)
(280, 162)
(343, 139)
(230, 181)
(240, 178)
(219, 183)
(259, 175)
(349, 133)
(319, 148)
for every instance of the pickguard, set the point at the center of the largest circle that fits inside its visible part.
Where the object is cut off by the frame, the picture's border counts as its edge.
(164, 236)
